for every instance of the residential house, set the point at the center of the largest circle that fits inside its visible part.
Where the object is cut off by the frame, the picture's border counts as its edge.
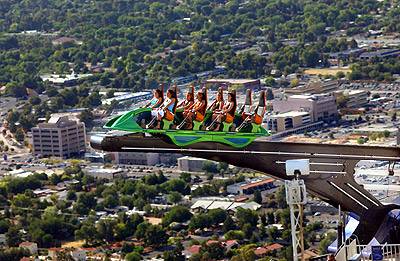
(30, 246)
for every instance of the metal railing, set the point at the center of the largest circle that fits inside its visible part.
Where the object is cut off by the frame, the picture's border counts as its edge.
(364, 252)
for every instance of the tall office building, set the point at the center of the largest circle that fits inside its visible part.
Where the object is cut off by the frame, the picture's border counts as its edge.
(59, 137)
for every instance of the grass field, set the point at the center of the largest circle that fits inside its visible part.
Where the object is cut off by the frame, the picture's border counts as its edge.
(327, 71)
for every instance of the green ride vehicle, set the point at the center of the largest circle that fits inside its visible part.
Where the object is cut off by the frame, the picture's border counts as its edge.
(238, 134)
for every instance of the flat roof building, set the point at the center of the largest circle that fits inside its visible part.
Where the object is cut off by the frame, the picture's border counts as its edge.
(59, 137)
(137, 158)
(208, 204)
(105, 173)
(246, 83)
(248, 187)
(354, 98)
(287, 120)
(384, 53)
(316, 87)
(190, 164)
(132, 97)
(322, 107)
(64, 80)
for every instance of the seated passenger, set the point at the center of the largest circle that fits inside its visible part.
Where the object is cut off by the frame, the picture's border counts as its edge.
(246, 109)
(227, 114)
(188, 102)
(156, 101)
(195, 112)
(257, 115)
(218, 103)
(166, 110)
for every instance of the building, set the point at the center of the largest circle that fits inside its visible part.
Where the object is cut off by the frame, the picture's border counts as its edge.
(231, 206)
(104, 173)
(248, 187)
(78, 254)
(335, 58)
(65, 40)
(354, 98)
(322, 107)
(64, 80)
(130, 97)
(59, 137)
(287, 120)
(246, 83)
(136, 158)
(383, 53)
(30, 246)
(190, 164)
(317, 87)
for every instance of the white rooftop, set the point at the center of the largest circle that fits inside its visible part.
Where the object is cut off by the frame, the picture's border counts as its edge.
(202, 204)
(127, 96)
(225, 205)
(290, 114)
(57, 78)
(190, 158)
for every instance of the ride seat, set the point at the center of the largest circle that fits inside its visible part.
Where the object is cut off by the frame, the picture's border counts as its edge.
(197, 124)
(259, 112)
(167, 124)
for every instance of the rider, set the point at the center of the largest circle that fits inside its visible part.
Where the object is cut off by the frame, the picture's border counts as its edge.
(166, 110)
(195, 112)
(227, 114)
(156, 101)
(188, 102)
(257, 115)
(218, 103)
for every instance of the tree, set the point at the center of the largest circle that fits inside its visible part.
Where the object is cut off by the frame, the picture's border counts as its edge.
(215, 251)
(217, 216)
(105, 229)
(177, 185)
(16, 90)
(20, 135)
(70, 97)
(174, 197)
(14, 254)
(257, 197)
(54, 179)
(210, 166)
(13, 236)
(177, 214)
(222, 167)
(361, 140)
(187, 177)
(87, 232)
(269, 81)
(247, 216)
(87, 117)
(133, 256)
(4, 225)
(281, 197)
(323, 245)
(71, 195)
(155, 235)
(111, 201)
(176, 254)
(386, 133)
(228, 224)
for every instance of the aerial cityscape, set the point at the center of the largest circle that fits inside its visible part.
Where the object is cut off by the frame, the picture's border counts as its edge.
(199, 130)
